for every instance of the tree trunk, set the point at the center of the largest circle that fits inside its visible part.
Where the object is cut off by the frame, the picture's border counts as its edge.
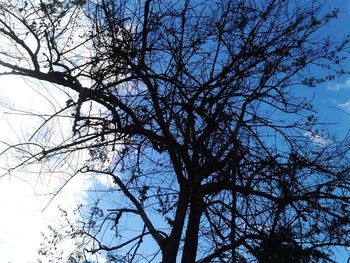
(171, 247)
(169, 253)
(191, 240)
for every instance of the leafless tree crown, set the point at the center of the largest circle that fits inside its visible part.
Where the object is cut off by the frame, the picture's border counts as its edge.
(194, 109)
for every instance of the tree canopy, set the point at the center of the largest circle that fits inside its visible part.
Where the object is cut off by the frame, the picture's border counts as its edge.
(195, 109)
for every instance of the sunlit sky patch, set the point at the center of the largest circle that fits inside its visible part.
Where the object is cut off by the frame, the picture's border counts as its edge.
(26, 201)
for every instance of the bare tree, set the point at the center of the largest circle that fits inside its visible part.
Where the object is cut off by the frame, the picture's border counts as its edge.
(193, 108)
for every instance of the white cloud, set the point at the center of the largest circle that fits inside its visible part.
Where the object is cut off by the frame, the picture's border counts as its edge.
(19, 222)
(24, 194)
(344, 106)
(339, 86)
(317, 139)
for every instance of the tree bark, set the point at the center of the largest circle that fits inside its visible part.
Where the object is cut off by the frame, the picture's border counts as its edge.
(191, 241)
(169, 253)
(171, 247)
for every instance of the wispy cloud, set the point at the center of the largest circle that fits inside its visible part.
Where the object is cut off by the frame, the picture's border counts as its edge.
(339, 86)
(317, 139)
(344, 106)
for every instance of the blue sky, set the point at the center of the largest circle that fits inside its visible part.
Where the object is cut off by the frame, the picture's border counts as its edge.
(332, 99)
